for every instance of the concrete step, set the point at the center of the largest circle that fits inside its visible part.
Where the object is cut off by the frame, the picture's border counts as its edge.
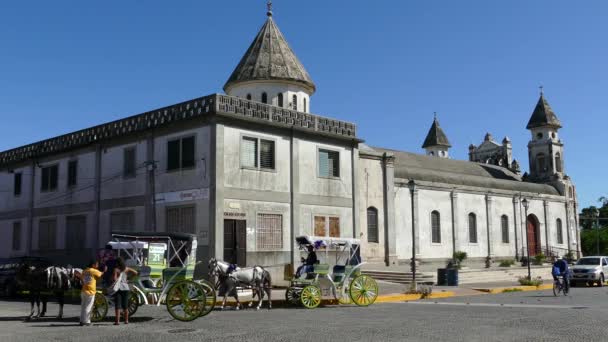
(400, 277)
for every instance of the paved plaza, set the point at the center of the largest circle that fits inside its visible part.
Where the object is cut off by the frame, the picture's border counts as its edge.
(519, 316)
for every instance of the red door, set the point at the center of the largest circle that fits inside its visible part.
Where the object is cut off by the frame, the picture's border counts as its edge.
(532, 231)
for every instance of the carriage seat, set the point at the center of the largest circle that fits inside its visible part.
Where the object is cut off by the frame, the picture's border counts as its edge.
(144, 278)
(321, 269)
(338, 273)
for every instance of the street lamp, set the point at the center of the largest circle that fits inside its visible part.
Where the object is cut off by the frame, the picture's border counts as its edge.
(412, 185)
(596, 213)
(526, 205)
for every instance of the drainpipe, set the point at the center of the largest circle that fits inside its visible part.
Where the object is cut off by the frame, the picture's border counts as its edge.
(387, 260)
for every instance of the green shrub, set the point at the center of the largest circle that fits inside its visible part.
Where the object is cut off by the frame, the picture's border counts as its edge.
(539, 259)
(511, 290)
(507, 263)
(459, 256)
(530, 282)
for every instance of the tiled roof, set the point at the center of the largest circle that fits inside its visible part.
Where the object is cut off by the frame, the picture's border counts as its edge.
(436, 136)
(543, 115)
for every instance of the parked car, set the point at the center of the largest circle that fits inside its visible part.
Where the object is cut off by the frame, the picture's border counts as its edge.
(8, 272)
(590, 270)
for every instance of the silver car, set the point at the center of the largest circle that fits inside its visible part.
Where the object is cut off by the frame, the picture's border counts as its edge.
(589, 270)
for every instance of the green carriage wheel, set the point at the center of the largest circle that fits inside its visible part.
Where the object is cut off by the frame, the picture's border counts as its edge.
(186, 300)
(363, 290)
(343, 294)
(134, 302)
(310, 296)
(292, 297)
(210, 296)
(100, 308)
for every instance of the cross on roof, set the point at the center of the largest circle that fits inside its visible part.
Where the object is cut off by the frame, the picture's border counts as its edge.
(541, 89)
(269, 7)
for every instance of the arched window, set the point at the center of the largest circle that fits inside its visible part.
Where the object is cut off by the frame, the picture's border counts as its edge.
(540, 159)
(504, 226)
(560, 234)
(472, 228)
(249, 97)
(372, 225)
(295, 102)
(280, 99)
(305, 105)
(435, 227)
(264, 98)
(558, 162)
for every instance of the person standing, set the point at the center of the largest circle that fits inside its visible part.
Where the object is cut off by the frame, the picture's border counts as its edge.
(87, 294)
(121, 297)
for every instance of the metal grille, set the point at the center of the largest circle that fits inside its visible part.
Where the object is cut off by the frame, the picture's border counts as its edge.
(560, 234)
(181, 220)
(472, 228)
(267, 154)
(269, 232)
(504, 224)
(123, 221)
(76, 232)
(47, 234)
(372, 225)
(436, 227)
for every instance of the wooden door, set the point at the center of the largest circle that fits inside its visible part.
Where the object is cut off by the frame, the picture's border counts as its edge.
(533, 245)
(235, 242)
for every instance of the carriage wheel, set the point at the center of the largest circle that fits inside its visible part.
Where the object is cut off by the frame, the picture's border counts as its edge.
(292, 297)
(134, 303)
(343, 294)
(100, 308)
(210, 296)
(310, 296)
(363, 290)
(185, 300)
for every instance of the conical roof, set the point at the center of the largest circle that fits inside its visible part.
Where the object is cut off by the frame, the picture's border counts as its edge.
(436, 136)
(543, 115)
(270, 58)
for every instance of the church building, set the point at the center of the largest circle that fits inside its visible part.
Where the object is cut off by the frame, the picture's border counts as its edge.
(249, 170)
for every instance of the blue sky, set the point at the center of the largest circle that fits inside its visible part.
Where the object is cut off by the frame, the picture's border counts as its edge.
(385, 65)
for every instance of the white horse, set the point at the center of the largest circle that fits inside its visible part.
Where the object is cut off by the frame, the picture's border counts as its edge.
(229, 276)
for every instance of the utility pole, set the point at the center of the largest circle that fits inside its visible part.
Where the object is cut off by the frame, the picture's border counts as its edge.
(151, 167)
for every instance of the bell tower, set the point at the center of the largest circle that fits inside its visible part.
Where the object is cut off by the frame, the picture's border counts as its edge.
(545, 149)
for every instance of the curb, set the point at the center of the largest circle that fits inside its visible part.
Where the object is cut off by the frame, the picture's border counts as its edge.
(496, 290)
(391, 298)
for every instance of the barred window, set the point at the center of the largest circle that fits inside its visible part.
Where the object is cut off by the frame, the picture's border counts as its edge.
(181, 220)
(47, 234)
(76, 232)
(16, 236)
(122, 221)
(269, 232)
(372, 225)
(472, 228)
(560, 233)
(436, 227)
(504, 225)
(329, 163)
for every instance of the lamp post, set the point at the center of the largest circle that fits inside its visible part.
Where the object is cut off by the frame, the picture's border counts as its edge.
(596, 214)
(412, 185)
(526, 205)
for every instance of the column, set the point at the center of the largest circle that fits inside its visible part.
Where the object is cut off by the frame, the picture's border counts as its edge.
(516, 224)
(546, 213)
(567, 205)
(390, 234)
(489, 231)
(455, 231)
(416, 215)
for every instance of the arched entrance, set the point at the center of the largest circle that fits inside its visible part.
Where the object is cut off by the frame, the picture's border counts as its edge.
(533, 235)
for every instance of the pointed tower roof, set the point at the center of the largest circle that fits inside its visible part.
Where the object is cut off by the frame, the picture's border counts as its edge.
(270, 58)
(436, 136)
(543, 115)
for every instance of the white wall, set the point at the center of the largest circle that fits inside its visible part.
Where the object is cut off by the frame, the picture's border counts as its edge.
(311, 183)
(273, 89)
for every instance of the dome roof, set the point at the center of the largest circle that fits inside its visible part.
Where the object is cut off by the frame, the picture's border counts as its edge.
(269, 58)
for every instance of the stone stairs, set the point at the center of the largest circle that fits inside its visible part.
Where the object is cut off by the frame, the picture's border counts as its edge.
(400, 277)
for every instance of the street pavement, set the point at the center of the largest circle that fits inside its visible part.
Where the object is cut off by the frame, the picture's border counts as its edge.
(518, 316)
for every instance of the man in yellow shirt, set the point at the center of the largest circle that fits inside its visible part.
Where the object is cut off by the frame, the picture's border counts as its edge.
(89, 288)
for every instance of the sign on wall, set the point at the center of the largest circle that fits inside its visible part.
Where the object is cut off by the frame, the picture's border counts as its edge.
(183, 196)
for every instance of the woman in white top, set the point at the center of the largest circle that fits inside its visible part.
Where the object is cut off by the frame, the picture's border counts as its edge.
(121, 296)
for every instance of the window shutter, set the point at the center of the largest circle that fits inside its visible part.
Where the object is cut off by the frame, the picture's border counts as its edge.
(188, 152)
(505, 229)
(320, 226)
(53, 180)
(17, 185)
(560, 234)
(472, 228)
(173, 148)
(72, 172)
(334, 227)
(372, 225)
(267, 154)
(44, 179)
(129, 162)
(249, 152)
(436, 227)
(324, 163)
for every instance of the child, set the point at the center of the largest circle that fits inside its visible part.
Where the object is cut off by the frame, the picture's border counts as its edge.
(89, 288)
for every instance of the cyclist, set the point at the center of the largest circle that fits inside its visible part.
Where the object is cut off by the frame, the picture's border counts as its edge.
(560, 268)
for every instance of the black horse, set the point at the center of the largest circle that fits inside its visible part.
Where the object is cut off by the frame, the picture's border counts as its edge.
(39, 282)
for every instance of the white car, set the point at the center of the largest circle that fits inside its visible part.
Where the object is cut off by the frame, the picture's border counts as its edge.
(589, 270)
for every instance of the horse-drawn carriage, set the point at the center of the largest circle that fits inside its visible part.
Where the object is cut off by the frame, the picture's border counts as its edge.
(345, 281)
(173, 257)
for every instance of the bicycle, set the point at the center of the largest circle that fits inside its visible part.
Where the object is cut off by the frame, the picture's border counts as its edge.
(559, 286)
